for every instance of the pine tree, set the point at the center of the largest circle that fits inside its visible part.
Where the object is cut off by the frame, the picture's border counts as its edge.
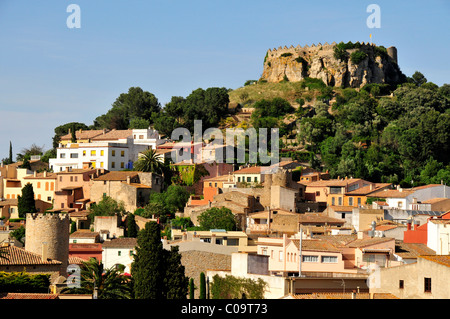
(26, 203)
(148, 267)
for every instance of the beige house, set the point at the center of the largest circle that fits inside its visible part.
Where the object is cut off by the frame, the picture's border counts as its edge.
(131, 187)
(428, 278)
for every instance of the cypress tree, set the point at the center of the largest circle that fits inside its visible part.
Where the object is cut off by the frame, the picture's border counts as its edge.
(148, 266)
(175, 281)
(26, 203)
(10, 160)
(202, 286)
(191, 288)
(131, 226)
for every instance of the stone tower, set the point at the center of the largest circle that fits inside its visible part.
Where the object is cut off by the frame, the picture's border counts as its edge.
(48, 235)
(392, 52)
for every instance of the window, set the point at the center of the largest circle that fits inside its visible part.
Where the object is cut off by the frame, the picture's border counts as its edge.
(239, 179)
(329, 259)
(52, 186)
(102, 164)
(249, 179)
(60, 178)
(210, 184)
(122, 165)
(119, 253)
(427, 285)
(73, 155)
(401, 284)
(84, 153)
(62, 155)
(93, 164)
(93, 153)
(359, 201)
(102, 153)
(46, 186)
(76, 178)
(49, 198)
(310, 259)
(122, 153)
(131, 253)
(141, 137)
(400, 204)
(280, 256)
(340, 201)
(71, 178)
(350, 201)
(113, 152)
(113, 164)
(318, 193)
(333, 201)
(255, 179)
(38, 184)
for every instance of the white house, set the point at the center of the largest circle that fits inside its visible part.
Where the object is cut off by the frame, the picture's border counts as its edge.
(119, 252)
(438, 234)
(114, 150)
(412, 198)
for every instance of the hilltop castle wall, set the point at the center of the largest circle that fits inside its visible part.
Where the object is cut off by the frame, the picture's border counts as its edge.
(318, 61)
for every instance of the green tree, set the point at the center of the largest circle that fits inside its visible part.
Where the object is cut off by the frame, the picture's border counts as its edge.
(106, 207)
(147, 268)
(175, 280)
(218, 218)
(64, 129)
(191, 288)
(26, 203)
(132, 229)
(18, 234)
(231, 287)
(202, 286)
(135, 104)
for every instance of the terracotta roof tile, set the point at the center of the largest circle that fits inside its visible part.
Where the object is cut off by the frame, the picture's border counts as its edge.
(20, 256)
(15, 295)
(88, 134)
(113, 135)
(120, 242)
(440, 259)
(116, 176)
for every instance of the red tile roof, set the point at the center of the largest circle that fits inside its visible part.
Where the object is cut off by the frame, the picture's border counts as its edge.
(20, 256)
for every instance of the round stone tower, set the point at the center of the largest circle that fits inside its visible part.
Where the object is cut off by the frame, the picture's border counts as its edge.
(392, 52)
(48, 235)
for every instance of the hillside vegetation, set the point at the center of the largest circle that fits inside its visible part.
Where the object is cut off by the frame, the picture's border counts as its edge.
(398, 134)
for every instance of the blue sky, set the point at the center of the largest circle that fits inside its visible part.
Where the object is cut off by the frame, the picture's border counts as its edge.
(51, 75)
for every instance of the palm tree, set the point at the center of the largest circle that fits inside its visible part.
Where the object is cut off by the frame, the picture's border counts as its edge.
(109, 283)
(149, 161)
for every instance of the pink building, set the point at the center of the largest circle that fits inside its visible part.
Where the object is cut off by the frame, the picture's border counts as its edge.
(73, 187)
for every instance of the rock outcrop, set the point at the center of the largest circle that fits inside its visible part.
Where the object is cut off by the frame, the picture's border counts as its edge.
(357, 65)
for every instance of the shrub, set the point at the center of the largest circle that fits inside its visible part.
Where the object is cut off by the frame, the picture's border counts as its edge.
(358, 56)
(287, 54)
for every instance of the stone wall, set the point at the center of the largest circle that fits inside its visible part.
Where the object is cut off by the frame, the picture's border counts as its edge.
(196, 262)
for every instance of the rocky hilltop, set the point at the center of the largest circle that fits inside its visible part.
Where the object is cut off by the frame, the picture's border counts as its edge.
(342, 65)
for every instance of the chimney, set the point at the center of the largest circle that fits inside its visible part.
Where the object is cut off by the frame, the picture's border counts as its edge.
(44, 251)
(372, 186)
(408, 225)
(35, 174)
(45, 173)
(128, 180)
